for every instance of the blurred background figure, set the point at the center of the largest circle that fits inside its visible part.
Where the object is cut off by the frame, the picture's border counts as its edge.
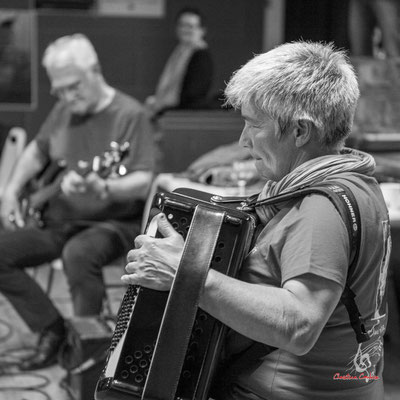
(187, 76)
(14, 63)
(374, 24)
(92, 214)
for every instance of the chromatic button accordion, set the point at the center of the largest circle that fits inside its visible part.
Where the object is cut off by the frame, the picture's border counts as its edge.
(151, 355)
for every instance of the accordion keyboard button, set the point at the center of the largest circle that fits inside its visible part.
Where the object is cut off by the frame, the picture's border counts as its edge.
(138, 354)
(134, 369)
(129, 359)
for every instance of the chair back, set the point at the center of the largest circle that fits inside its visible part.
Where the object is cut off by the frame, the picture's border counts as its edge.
(12, 150)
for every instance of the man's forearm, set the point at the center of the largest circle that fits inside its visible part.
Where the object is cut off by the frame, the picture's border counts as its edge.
(134, 185)
(29, 165)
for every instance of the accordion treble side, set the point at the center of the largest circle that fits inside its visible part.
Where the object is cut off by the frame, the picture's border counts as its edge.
(136, 341)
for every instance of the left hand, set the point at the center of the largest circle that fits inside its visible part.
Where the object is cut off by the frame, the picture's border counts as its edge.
(74, 183)
(154, 261)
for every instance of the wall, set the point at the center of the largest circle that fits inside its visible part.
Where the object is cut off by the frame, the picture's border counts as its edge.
(133, 50)
(186, 135)
(322, 20)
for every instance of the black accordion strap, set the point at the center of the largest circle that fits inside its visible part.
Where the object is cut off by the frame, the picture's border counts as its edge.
(181, 308)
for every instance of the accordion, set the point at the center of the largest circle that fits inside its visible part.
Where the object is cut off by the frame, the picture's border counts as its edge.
(165, 347)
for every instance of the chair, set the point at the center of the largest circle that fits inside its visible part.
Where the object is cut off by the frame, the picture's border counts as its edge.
(12, 150)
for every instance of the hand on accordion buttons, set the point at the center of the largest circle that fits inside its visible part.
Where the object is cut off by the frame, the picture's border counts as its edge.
(154, 261)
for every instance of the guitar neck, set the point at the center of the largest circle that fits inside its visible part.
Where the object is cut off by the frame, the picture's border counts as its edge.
(103, 166)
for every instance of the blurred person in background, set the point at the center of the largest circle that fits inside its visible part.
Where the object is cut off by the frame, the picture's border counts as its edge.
(93, 217)
(368, 16)
(186, 79)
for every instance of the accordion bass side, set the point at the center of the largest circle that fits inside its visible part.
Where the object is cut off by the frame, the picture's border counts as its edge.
(138, 339)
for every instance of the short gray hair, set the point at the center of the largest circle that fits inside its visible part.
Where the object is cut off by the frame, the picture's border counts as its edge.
(300, 81)
(70, 50)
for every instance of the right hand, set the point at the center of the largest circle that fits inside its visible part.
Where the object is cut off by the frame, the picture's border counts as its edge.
(150, 101)
(154, 261)
(73, 183)
(10, 211)
(151, 105)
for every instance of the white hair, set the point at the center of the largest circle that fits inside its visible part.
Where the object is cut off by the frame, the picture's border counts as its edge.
(74, 50)
(300, 81)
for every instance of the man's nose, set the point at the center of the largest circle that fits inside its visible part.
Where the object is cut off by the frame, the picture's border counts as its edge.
(69, 95)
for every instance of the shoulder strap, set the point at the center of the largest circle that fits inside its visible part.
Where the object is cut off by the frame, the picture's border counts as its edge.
(347, 206)
(345, 203)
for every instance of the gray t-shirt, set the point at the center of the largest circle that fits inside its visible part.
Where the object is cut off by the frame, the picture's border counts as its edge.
(311, 237)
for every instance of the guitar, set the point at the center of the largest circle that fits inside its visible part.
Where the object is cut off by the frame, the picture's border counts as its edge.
(35, 197)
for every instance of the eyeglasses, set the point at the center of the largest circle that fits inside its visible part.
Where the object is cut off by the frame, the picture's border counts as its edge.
(62, 91)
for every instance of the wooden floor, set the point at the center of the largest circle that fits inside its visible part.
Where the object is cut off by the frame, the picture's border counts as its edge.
(45, 383)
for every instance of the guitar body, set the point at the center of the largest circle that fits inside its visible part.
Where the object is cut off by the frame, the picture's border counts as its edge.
(37, 194)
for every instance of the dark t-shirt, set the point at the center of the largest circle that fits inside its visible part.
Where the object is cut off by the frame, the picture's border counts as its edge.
(72, 138)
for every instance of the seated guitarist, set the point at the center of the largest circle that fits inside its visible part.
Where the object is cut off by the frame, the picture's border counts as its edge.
(298, 102)
(92, 219)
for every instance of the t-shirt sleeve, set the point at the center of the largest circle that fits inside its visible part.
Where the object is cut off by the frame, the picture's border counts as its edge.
(140, 135)
(49, 125)
(316, 241)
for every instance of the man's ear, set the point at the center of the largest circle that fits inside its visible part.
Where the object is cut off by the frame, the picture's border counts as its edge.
(303, 132)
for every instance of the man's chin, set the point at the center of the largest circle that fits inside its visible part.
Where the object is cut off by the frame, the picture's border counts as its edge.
(78, 110)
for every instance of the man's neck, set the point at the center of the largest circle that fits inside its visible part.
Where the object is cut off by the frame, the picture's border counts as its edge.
(108, 94)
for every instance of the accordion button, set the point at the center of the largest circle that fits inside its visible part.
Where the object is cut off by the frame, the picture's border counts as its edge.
(129, 359)
(202, 317)
(138, 354)
(190, 358)
(124, 374)
(134, 369)
(186, 374)
(139, 378)
(198, 331)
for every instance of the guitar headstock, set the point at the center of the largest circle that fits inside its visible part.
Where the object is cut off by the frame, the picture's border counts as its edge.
(110, 162)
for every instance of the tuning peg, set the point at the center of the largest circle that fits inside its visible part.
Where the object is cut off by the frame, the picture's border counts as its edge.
(114, 145)
(122, 170)
(125, 146)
